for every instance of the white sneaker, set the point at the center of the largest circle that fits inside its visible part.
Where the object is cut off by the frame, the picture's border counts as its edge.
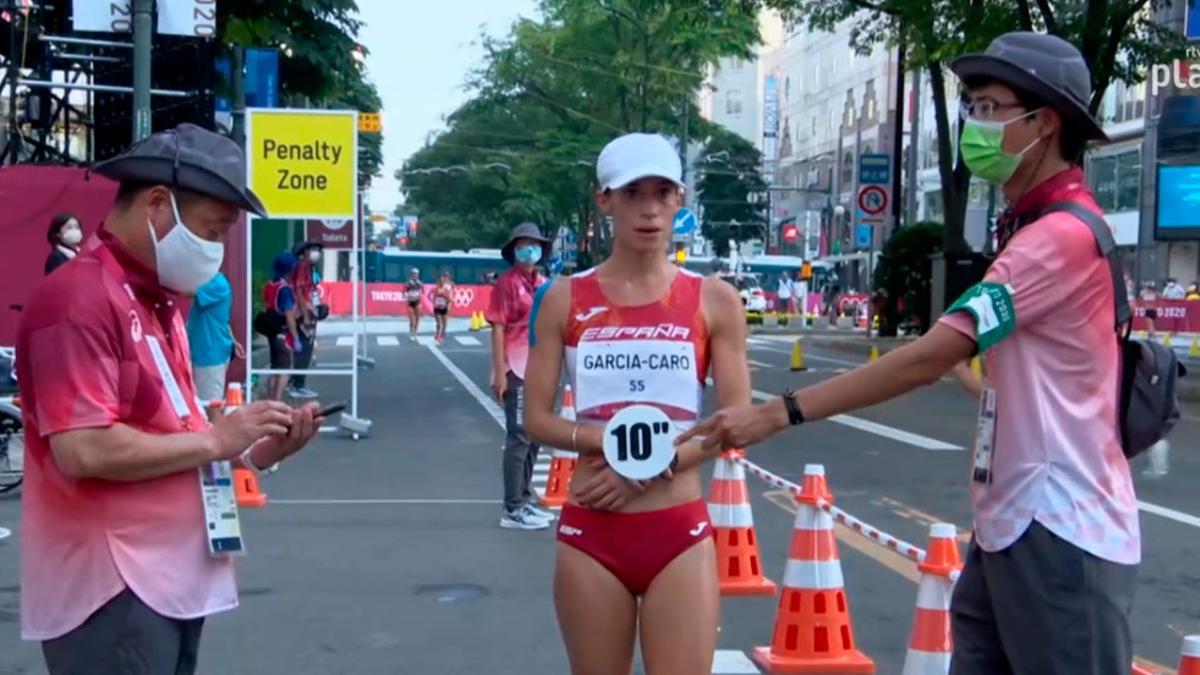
(539, 513)
(520, 520)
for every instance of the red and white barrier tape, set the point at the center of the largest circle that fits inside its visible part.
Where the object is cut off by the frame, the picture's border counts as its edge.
(874, 534)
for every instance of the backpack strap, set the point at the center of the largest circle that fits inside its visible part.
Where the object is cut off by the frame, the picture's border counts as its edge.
(1108, 250)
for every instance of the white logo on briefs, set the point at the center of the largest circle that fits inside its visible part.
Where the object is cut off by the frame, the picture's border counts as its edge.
(570, 531)
(590, 313)
(699, 529)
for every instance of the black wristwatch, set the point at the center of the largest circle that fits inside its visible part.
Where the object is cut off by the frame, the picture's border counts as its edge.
(795, 416)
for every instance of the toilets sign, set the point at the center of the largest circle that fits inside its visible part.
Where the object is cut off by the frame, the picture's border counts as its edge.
(303, 163)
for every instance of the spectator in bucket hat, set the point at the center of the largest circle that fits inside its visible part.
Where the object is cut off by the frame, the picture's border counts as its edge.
(121, 561)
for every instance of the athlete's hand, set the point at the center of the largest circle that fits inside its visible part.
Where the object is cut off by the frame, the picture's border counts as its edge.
(737, 428)
(231, 434)
(607, 490)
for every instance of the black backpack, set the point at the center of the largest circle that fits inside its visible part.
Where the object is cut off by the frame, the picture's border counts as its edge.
(1149, 405)
(269, 323)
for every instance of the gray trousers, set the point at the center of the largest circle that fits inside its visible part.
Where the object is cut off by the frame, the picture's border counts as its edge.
(1042, 606)
(125, 637)
(520, 453)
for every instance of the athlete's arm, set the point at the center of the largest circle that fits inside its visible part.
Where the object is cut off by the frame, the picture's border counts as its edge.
(722, 309)
(544, 425)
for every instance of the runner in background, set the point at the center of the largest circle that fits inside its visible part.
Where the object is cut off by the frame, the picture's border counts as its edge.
(443, 295)
(1150, 306)
(280, 300)
(412, 295)
(305, 279)
(636, 558)
(509, 315)
(1050, 574)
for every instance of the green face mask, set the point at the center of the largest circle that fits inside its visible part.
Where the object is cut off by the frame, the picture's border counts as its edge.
(982, 147)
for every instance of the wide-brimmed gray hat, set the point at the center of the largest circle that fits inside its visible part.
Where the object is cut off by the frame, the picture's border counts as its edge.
(191, 158)
(1045, 66)
(525, 231)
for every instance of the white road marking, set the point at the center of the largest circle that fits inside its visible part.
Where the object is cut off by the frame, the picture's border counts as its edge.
(345, 341)
(387, 340)
(878, 429)
(1172, 514)
(351, 502)
(759, 364)
(427, 341)
(807, 355)
(492, 408)
(468, 340)
(732, 662)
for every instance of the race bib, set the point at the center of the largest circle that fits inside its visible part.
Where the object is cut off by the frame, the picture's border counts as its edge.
(622, 372)
(991, 305)
(413, 296)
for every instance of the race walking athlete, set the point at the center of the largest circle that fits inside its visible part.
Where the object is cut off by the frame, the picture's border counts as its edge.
(1050, 573)
(442, 296)
(635, 330)
(412, 295)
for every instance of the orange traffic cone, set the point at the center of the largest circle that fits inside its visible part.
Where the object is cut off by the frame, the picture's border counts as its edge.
(929, 645)
(1141, 670)
(738, 565)
(562, 462)
(812, 626)
(245, 486)
(1189, 657)
(245, 483)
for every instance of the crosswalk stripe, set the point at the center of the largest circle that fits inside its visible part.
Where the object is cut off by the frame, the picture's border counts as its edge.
(387, 340)
(426, 341)
(345, 340)
(732, 662)
(468, 340)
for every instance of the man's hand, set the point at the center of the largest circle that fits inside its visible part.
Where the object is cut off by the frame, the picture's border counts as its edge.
(607, 490)
(499, 385)
(304, 425)
(738, 427)
(233, 433)
(239, 351)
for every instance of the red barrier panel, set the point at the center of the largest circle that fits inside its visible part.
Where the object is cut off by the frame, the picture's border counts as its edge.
(384, 299)
(1174, 316)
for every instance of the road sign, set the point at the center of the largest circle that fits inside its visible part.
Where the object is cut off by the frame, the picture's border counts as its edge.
(875, 169)
(685, 221)
(303, 163)
(873, 200)
(370, 123)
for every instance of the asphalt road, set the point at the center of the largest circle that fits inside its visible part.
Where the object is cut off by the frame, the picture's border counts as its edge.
(383, 555)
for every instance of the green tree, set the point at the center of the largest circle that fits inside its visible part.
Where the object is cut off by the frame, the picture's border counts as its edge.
(904, 274)
(730, 171)
(549, 96)
(321, 63)
(1118, 40)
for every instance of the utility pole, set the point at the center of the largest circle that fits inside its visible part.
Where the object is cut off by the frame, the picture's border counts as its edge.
(897, 139)
(914, 155)
(143, 27)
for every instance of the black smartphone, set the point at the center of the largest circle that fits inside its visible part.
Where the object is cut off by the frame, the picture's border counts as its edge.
(331, 410)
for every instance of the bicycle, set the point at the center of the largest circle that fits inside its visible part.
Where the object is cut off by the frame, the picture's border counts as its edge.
(12, 432)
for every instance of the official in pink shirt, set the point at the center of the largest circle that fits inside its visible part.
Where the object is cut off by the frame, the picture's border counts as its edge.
(508, 313)
(1049, 577)
(118, 568)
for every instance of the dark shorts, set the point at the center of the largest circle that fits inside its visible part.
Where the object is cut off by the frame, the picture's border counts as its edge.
(414, 304)
(1151, 313)
(126, 637)
(441, 311)
(1042, 605)
(281, 356)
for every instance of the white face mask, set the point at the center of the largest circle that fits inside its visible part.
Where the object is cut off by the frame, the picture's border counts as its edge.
(71, 236)
(184, 260)
(314, 256)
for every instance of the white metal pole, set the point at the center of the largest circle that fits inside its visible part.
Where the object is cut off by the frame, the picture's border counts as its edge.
(354, 286)
(248, 388)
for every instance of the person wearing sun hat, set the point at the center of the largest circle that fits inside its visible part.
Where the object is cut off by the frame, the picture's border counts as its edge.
(129, 529)
(508, 312)
(1049, 576)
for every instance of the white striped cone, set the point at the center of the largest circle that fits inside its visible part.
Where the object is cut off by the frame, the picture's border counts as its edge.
(1189, 656)
(929, 644)
(738, 562)
(562, 462)
(813, 631)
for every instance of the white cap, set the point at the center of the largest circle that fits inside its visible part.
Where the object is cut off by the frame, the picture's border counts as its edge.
(635, 156)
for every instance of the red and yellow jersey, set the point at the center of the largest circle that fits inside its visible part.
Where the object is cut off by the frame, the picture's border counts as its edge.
(654, 354)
